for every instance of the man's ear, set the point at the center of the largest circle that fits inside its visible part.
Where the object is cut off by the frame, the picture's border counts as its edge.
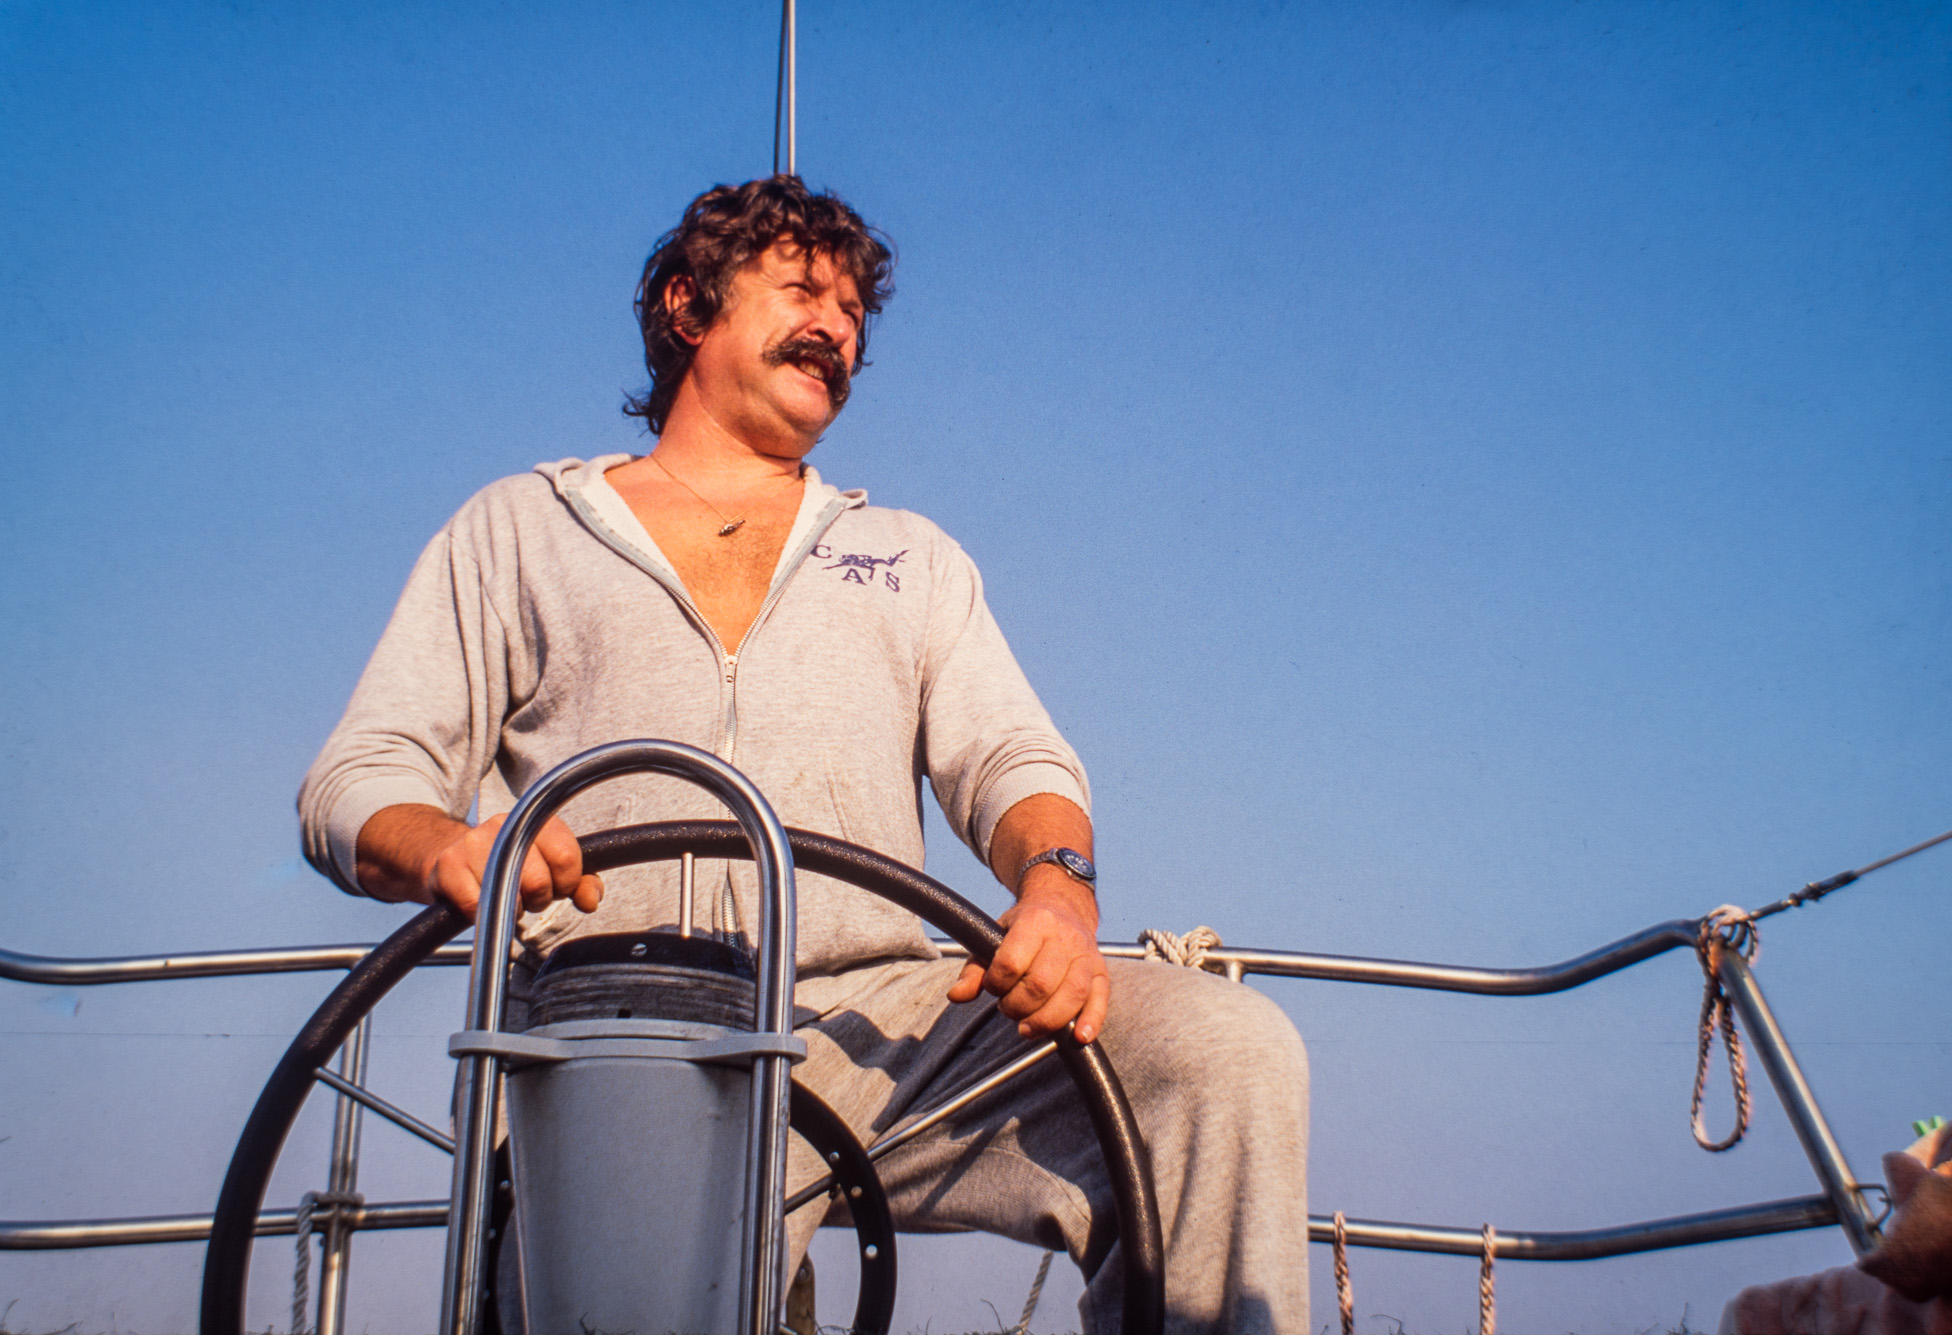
(679, 293)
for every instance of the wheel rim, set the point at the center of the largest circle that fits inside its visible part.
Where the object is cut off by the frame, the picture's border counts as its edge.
(1128, 1166)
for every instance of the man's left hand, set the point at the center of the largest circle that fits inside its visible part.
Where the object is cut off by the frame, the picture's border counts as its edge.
(1048, 971)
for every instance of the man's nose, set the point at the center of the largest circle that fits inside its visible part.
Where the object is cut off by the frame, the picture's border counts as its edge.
(831, 323)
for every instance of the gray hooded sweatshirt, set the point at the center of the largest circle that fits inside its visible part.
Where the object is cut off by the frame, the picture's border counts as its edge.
(542, 620)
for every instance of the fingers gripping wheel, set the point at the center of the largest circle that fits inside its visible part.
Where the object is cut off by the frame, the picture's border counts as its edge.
(227, 1260)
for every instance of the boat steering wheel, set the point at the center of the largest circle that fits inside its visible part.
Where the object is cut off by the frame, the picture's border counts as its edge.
(226, 1269)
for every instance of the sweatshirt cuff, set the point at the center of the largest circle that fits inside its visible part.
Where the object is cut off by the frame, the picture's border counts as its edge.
(351, 812)
(1021, 781)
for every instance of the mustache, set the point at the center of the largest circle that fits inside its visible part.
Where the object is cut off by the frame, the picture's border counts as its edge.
(820, 357)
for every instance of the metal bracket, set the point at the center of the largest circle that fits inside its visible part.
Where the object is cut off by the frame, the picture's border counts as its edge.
(538, 1046)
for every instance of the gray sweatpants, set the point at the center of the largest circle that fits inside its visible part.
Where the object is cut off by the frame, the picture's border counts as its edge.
(1215, 1074)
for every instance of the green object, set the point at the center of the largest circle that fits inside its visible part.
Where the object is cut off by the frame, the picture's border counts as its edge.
(1927, 1127)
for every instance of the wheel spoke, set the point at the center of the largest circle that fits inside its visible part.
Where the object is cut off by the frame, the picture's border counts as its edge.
(896, 1139)
(400, 1117)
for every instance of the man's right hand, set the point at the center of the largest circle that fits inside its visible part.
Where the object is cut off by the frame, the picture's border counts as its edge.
(420, 854)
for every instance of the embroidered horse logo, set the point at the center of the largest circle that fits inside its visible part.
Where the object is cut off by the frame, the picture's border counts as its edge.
(860, 568)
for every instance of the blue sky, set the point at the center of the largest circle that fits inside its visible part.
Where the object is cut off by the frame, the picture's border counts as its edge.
(1471, 479)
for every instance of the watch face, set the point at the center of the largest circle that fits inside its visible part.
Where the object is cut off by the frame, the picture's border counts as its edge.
(1077, 864)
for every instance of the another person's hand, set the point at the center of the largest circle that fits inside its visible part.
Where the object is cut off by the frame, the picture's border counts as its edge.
(418, 853)
(1048, 971)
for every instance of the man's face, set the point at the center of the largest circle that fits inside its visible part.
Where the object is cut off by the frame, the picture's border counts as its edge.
(774, 366)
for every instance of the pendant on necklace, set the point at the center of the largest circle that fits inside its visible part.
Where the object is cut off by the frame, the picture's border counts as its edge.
(730, 528)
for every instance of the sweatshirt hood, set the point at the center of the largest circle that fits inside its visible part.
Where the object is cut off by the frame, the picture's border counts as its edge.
(572, 475)
(599, 508)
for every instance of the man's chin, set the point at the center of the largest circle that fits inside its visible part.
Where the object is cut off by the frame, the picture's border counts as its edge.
(805, 397)
(806, 417)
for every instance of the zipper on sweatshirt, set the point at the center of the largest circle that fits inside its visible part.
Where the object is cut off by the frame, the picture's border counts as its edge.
(729, 718)
(726, 914)
(728, 661)
(730, 731)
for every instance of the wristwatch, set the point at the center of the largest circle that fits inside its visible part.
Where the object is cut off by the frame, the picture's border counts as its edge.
(1072, 862)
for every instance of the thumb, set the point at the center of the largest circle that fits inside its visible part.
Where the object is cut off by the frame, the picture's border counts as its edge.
(969, 983)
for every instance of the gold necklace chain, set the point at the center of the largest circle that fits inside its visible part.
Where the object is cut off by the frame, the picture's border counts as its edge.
(731, 525)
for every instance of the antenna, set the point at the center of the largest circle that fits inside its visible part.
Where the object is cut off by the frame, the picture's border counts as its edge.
(785, 92)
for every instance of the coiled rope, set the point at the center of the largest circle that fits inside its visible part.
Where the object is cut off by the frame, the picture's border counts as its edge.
(1188, 950)
(1487, 1287)
(1732, 928)
(1036, 1292)
(1345, 1296)
(1727, 928)
(301, 1276)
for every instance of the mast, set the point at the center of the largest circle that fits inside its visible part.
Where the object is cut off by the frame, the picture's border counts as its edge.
(785, 93)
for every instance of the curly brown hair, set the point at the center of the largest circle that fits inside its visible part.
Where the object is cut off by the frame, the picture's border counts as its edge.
(724, 230)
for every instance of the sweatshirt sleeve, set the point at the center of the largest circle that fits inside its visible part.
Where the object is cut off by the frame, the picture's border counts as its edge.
(987, 740)
(425, 720)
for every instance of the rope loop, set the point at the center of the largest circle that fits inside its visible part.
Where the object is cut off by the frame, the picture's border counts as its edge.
(1728, 928)
(301, 1278)
(1487, 1287)
(1345, 1295)
(1731, 927)
(1188, 950)
(1036, 1293)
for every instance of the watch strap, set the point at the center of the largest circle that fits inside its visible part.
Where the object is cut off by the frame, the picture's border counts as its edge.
(1068, 860)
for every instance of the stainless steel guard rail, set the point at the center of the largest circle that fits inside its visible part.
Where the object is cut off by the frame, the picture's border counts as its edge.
(1842, 1201)
(1627, 951)
(1585, 1245)
(54, 971)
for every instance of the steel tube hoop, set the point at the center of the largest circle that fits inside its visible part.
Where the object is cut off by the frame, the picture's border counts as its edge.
(761, 1280)
(55, 971)
(1799, 1101)
(1746, 1221)
(73, 1234)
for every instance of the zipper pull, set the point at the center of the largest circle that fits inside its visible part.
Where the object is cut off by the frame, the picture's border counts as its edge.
(731, 667)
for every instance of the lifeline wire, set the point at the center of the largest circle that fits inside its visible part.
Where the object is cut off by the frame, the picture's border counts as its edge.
(1816, 890)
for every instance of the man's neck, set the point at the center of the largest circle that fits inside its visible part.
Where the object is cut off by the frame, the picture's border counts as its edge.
(704, 450)
(720, 510)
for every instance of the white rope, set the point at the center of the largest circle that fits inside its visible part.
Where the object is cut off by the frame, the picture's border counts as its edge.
(1189, 950)
(301, 1276)
(1036, 1293)
(1727, 928)
(1345, 1295)
(1487, 1288)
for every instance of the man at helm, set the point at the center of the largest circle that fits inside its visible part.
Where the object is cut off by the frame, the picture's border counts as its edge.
(717, 591)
